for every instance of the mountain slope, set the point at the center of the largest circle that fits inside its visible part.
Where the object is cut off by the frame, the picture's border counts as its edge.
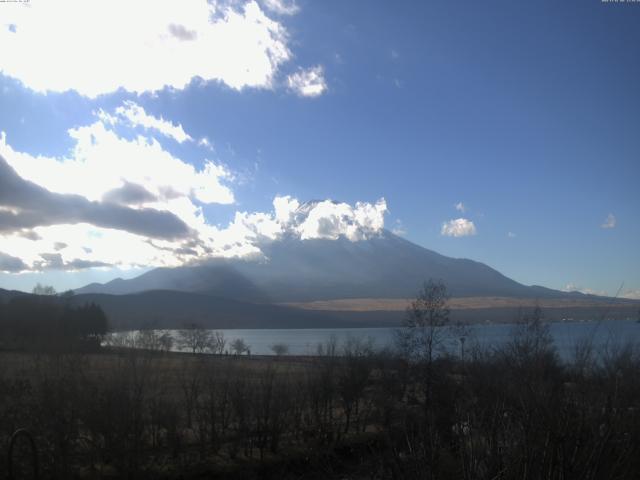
(384, 266)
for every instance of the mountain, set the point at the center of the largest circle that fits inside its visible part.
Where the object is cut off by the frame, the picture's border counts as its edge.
(218, 278)
(329, 283)
(294, 270)
(363, 280)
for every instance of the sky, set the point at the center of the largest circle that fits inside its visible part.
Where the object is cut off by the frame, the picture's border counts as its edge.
(159, 133)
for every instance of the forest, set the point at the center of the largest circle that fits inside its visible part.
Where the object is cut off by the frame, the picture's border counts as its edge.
(48, 322)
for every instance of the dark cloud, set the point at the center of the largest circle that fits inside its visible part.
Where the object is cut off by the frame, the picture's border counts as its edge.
(30, 235)
(182, 33)
(168, 193)
(39, 207)
(186, 251)
(78, 264)
(51, 261)
(54, 261)
(59, 246)
(11, 264)
(129, 194)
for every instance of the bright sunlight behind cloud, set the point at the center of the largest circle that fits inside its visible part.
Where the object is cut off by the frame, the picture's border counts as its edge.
(96, 47)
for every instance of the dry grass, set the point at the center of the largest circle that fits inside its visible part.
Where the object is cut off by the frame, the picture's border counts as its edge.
(456, 303)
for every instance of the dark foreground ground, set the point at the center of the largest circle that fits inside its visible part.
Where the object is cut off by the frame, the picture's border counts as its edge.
(516, 413)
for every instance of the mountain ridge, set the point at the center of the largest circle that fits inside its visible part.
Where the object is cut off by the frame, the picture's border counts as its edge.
(293, 270)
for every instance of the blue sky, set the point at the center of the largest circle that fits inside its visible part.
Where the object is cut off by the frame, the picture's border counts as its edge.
(524, 115)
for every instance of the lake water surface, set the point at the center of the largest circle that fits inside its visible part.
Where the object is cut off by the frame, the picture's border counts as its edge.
(605, 334)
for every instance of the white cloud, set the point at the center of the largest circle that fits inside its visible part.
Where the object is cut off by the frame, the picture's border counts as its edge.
(460, 227)
(572, 287)
(609, 222)
(96, 47)
(330, 220)
(632, 294)
(281, 7)
(102, 161)
(285, 208)
(137, 116)
(309, 82)
(399, 229)
(204, 142)
(460, 207)
(511, 235)
(91, 246)
(128, 202)
(107, 176)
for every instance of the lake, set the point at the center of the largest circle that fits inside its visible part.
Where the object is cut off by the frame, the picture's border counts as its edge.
(566, 335)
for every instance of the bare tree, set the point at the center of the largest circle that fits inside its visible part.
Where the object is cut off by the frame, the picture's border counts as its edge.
(121, 340)
(280, 349)
(165, 341)
(531, 339)
(154, 340)
(195, 338)
(424, 334)
(40, 289)
(424, 331)
(354, 375)
(329, 348)
(217, 343)
(238, 346)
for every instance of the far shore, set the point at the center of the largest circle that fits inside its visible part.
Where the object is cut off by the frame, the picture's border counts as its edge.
(459, 303)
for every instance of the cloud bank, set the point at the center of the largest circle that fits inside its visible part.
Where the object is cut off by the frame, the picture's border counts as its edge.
(96, 47)
(330, 220)
(28, 205)
(128, 202)
(89, 244)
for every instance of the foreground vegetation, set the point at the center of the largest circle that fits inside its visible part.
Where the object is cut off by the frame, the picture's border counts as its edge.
(515, 412)
(47, 322)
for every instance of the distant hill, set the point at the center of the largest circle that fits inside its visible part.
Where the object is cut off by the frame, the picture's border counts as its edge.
(6, 295)
(173, 309)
